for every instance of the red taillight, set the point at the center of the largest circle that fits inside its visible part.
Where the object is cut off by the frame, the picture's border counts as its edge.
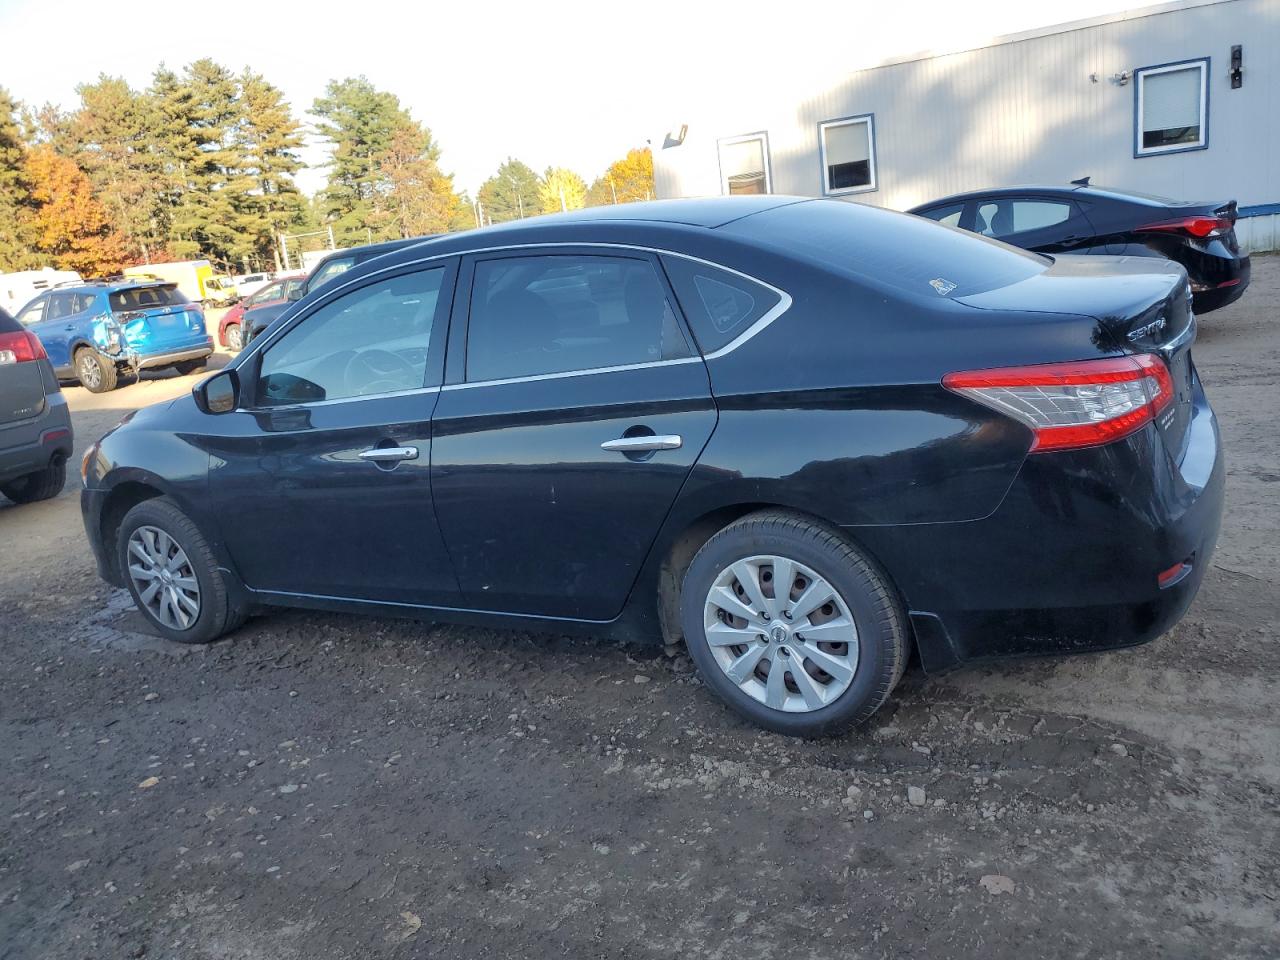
(1072, 405)
(1198, 227)
(20, 347)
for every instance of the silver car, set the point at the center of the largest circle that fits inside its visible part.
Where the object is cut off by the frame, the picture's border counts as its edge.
(35, 425)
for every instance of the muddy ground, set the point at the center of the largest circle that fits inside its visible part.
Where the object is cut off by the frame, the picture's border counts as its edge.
(323, 786)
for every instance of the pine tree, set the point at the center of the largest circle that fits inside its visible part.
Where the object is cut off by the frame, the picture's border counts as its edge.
(267, 138)
(361, 122)
(511, 193)
(14, 189)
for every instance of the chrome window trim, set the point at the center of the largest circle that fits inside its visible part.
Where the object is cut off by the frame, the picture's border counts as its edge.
(781, 307)
(413, 391)
(560, 375)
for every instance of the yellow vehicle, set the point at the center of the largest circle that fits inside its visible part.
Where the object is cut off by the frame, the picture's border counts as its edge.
(191, 276)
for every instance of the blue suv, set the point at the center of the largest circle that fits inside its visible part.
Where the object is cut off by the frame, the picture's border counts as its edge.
(93, 332)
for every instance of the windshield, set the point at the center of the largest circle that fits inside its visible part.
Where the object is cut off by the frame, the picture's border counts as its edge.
(142, 298)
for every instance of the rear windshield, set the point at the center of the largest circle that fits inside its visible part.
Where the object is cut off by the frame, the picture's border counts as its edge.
(887, 249)
(140, 298)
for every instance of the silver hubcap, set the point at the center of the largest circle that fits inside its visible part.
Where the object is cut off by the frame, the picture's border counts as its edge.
(162, 575)
(781, 633)
(233, 338)
(90, 375)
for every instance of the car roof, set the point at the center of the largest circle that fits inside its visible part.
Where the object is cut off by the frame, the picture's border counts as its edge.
(107, 286)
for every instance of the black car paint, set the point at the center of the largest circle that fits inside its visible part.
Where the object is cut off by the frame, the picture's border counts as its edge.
(1107, 222)
(513, 515)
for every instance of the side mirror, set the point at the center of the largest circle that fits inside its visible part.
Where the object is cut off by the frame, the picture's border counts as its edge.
(219, 393)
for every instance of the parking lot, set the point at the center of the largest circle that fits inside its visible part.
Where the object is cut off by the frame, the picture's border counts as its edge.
(322, 785)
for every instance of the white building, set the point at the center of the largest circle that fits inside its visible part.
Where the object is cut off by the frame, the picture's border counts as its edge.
(1180, 99)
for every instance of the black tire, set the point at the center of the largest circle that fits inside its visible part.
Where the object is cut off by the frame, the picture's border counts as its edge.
(234, 342)
(187, 367)
(217, 613)
(865, 589)
(42, 485)
(95, 373)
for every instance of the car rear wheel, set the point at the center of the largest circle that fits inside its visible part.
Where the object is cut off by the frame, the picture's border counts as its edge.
(172, 574)
(42, 485)
(96, 373)
(234, 342)
(795, 628)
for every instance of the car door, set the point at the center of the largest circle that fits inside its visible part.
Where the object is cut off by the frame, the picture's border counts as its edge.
(573, 411)
(1042, 224)
(322, 473)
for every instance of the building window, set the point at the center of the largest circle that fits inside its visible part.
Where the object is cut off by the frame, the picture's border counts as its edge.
(744, 164)
(848, 150)
(1172, 105)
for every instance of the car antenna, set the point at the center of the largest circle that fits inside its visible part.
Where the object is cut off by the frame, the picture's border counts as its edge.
(1082, 182)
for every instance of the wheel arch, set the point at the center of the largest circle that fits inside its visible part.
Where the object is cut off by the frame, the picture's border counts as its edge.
(124, 496)
(681, 549)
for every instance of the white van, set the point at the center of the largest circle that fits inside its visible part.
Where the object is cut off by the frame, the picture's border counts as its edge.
(18, 289)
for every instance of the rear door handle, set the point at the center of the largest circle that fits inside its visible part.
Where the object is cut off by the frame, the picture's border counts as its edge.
(390, 454)
(641, 444)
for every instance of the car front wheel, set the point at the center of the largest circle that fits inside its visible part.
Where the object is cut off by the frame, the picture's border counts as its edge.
(792, 626)
(172, 574)
(234, 342)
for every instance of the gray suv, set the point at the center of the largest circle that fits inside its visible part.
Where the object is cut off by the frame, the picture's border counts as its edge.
(35, 425)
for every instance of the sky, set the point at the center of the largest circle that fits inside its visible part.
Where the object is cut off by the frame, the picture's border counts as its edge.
(561, 82)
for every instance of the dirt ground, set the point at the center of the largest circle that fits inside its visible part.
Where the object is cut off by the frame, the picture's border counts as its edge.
(327, 786)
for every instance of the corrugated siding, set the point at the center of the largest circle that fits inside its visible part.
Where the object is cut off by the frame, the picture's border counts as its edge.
(1026, 112)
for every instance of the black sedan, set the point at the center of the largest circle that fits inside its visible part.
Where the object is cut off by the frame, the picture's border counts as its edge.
(804, 436)
(1096, 220)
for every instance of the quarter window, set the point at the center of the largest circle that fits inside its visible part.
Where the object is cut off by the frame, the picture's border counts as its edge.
(848, 149)
(1172, 107)
(744, 165)
(371, 341)
(948, 215)
(32, 314)
(553, 314)
(719, 305)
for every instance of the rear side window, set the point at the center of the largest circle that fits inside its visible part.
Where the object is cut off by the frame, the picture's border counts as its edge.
(142, 298)
(719, 305)
(1003, 218)
(554, 314)
(65, 304)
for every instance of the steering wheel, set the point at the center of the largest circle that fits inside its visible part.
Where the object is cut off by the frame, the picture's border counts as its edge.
(379, 371)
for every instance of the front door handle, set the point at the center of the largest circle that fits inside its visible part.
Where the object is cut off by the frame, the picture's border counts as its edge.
(390, 454)
(643, 444)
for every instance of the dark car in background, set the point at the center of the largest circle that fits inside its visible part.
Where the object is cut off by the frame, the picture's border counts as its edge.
(96, 331)
(35, 425)
(1096, 220)
(805, 435)
(277, 292)
(259, 317)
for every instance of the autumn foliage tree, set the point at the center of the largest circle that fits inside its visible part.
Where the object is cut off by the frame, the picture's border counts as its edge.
(416, 198)
(626, 180)
(561, 189)
(64, 220)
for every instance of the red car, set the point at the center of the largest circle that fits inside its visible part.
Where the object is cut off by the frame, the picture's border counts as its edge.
(229, 329)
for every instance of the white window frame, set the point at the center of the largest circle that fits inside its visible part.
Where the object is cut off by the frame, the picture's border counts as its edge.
(1139, 78)
(763, 137)
(866, 118)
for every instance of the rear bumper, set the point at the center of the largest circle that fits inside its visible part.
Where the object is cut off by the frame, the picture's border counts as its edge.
(50, 435)
(141, 361)
(1225, 286)
(1069, 561)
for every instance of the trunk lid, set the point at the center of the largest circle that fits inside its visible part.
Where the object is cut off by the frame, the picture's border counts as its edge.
(1141, 304)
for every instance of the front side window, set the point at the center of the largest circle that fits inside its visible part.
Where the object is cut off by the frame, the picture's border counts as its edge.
(532, 316)
(744, 165)
(1172, 108)
(1003, 218)
(719, 305)
(34, 312)
(848, 150)
(373, 340)
(948, 215)
(272, 291)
